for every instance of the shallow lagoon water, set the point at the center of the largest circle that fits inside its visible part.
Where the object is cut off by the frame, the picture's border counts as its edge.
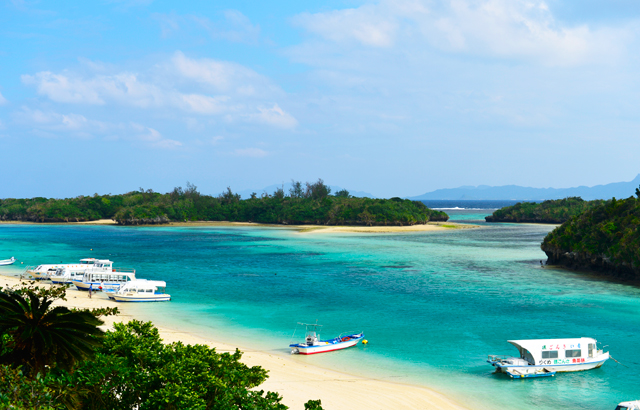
(433, 305)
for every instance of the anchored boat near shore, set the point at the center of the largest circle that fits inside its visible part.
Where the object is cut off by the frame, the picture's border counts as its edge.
(47, 270)
(141, 290)
(8, 261)
(543, 356)
(313, 345)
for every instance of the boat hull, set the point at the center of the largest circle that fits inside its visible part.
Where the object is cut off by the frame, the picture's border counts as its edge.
(97, 286)
(324, 347)
(569, 367)
(136, 298)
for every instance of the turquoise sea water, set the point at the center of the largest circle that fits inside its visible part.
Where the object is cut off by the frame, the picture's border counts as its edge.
(433, 305)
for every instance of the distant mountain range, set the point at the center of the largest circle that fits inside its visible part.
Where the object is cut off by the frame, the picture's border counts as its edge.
(515, 192)
(287, 186)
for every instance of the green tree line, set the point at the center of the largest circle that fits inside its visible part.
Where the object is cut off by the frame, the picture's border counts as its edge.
(310, 203)
(605, 238)
(55, 358)
(552, 211)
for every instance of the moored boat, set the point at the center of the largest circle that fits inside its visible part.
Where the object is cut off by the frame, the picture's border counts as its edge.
(63, 276)
(561, 355)
(141, 290)
(47, 270)
(6, 262)
(103, 276)
(629, 405)
(313, 345)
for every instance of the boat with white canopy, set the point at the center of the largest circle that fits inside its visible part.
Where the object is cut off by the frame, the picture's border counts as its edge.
(313, 345)
(64, 276)
(97, 281)
(141, 290)
(8, 261)
(47, 270)
(551, 355)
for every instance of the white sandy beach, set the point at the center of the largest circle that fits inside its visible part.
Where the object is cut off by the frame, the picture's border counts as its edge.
(295, 381)
(306, 229)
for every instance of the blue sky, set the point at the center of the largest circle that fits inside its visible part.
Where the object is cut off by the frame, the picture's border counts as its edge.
(395, 98)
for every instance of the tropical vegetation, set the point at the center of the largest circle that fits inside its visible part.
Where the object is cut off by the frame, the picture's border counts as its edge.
(311, 203)
(554, 211)
(605, 237)
(57, 358)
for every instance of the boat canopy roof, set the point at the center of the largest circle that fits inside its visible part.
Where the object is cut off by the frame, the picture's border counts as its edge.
(145, 284)
(88, 260)
(535, 346)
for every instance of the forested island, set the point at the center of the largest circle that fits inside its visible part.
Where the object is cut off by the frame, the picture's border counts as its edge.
(552, 211)
(605, 238)
(310, 203)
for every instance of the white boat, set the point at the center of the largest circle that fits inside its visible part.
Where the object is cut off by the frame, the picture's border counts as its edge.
(8, 261)
(313, 345)
(141, 290)
(64, 276)
(97, 280)
(45, 271)
(629, 405)
(561, 355)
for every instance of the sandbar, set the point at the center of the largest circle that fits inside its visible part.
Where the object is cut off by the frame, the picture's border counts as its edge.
(430, 226)
(296, 382)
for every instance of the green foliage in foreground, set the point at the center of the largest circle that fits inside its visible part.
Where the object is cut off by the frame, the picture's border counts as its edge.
(554, 211)
(129, 368)
(605, 237)
(310, 205)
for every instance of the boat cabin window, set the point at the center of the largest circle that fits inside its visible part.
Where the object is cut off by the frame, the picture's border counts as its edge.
(573, 353)
(550, 354)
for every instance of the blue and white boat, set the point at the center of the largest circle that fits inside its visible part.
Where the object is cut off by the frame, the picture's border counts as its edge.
(313, 345)
(104, 276)
(552, 355)
(8, 261)
(141, 290)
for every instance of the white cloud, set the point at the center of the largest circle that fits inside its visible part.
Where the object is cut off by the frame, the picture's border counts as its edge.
(233, 26)
(251, 152)
(275, 116)
(202, 104)
(154, 139)
(55, 121)
(223, 76)
(2, 99)
(499, 28)
(366, 24)
(224, 88)
(71, 88)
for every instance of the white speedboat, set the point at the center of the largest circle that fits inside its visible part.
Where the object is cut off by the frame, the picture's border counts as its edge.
(141, 290)
(45, 271)
(8, 261)
(552, 355)
(629, 405)
(313, 345)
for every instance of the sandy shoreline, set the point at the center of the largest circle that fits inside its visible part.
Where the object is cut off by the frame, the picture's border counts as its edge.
(296, 382)
(430, 226)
